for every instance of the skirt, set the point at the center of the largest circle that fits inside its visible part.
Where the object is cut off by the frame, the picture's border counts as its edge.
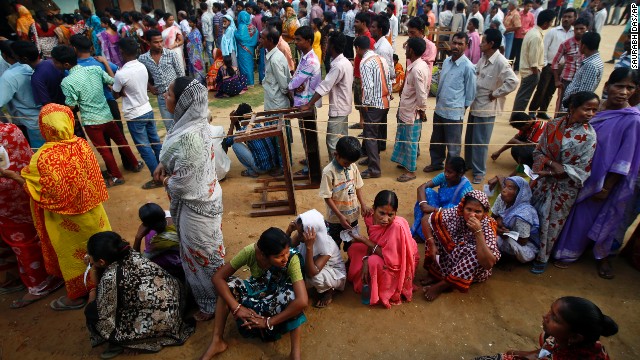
(405, 150)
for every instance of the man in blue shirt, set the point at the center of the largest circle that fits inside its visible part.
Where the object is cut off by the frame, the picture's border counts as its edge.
(46, 78)
(82, 45)
(17, 96)
(456, 92)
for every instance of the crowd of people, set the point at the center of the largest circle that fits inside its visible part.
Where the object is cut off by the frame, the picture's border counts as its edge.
(574, 183)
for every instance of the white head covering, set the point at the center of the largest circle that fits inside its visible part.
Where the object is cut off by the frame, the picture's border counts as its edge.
(324, 245)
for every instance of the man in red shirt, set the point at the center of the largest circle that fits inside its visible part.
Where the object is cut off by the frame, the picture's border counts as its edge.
(361, 25)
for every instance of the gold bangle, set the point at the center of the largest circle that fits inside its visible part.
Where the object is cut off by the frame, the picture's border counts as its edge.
(165, 181)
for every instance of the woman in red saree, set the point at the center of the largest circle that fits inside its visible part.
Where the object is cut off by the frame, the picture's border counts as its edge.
(387, 260)
(213, 70)
(16, 224)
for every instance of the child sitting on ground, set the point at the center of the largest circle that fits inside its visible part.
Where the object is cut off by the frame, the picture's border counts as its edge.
(453, 185)
(517, 220)
(399, 82)
(323, 265)
(524, 142)
(161, 243)
(340, 189)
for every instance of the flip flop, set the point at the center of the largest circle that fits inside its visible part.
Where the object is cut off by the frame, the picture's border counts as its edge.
(20, 303)
(605, 274)
(58, 305)
(151, 184)
(538, 267)
(561, 264)
(432, 168)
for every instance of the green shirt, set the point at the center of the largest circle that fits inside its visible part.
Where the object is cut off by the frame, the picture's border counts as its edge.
(247, 256)
(84, 87)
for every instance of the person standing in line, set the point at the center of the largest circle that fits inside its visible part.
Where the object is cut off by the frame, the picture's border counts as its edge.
(361, 25)
(589, 13)
(376, 90)
(393, 23)
(446, 17)
(164, 66)
(130, 83)
(459, 19)
(569, 53)
(17, 95)
(338, 84)
(218, 31)
(316, 10)
(546, 86)
(600, 18)
(382, 47)
(527, 20)
(476, 14)
(473, 50)
(349, 30)
(532, 57)
(207, 31)
(411, 112)
(415, 28)
(512, 24)
(277, 75)
(589, 74)
(83, 88)
(305, 79)
(495, 80)
(456, 92)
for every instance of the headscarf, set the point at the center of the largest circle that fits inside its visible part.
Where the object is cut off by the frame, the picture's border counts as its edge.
(451, 229)
(228, 43)
(25, 20)
(13, 199)
(64, 175)
(247, 34)
(520, 209)
(324, 244)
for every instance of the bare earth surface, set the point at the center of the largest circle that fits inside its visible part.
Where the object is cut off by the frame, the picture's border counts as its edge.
(503, 313)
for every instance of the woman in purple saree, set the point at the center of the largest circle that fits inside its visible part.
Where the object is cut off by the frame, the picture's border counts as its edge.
(600, 207)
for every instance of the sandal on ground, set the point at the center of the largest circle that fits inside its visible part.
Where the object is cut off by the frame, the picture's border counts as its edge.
(246, 173)
(405, 178)
(538, 267)
(151, 184)
(58, 305)
(432, 168)
(561, 264)
(10, 289)
(116, 182)
(20, 303)
(111, 352)
(139, 167)
(477, 179)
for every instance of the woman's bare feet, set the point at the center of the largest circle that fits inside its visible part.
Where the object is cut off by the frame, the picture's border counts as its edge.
(216, 347)
(433, 291)
(26, 300)
(325, 299)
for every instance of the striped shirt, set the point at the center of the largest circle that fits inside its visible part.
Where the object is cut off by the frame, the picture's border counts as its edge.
(83, 87)
(372, 77)
(570, 51)
(587, 77)
(165, 71)
(308, 75)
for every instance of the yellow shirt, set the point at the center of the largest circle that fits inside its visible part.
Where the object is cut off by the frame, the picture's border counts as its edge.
(316, 45)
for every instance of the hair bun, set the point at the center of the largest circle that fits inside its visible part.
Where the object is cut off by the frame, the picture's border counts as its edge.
(609, 327)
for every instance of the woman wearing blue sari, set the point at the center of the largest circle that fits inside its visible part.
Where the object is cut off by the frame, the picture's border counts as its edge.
(246, 40)
(92, 21)
(228, 42)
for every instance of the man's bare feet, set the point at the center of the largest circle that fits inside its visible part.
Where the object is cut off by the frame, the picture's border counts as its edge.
(325, 299)
(216, 347)
(26, 300)
(433, 291)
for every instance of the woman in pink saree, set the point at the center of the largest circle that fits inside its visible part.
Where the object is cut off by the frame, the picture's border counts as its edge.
(172, 37)
(387, 260)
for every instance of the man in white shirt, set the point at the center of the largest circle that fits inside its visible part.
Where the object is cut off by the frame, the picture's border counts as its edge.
(600, 18)
(475, 13)
(546, 86)
(380, 6)
(536, 8)
(349, 28)
(184, 23)
(130, 82)
(393, 23)
(445, 17)
(207, 30)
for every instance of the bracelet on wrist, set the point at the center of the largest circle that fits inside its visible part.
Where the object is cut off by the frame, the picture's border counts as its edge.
(477, 231)
(270, 327)
(422, 202)
(235, 311)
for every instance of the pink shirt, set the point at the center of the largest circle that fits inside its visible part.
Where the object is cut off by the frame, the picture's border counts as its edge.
(429, 57)
(473, 51)
(415, 91)
(528, 21)
(338, 84)
(283, 46)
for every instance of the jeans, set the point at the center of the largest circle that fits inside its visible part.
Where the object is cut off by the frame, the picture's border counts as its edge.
(144, 133)
(167, 117)
(336, 128)
(261, 64)
(245, 157)
(527, 86)
(508, 43)
(98, 135)
(479, 131)
(445, 131)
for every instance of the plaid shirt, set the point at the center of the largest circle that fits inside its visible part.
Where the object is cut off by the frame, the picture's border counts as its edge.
(570, 51)
(587, 77)
(165, 71)
(83, 87)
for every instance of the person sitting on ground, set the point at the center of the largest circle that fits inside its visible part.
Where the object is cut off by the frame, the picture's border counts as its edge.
(223, 163)
(465, 239)
(229, 81)
(212, 75)
(340, 188)
(518, 223)
(452, 187)
(572, 329)
(386, 262)
(136, 303)
(524, 142)
(399, 70)
(270, 302)
(161, 242)
(323, 265)
(258, 156)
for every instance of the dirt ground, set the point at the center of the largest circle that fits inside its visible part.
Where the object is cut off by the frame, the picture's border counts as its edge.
(503, 313)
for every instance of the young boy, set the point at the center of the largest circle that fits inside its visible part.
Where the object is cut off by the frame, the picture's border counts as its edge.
(340, 188)
(529, 132)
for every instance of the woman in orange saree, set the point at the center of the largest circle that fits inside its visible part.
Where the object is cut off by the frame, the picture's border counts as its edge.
(67, 190)
(213, 70)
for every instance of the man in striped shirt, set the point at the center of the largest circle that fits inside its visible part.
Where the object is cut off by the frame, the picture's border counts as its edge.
(376, 91)
(589, 74)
